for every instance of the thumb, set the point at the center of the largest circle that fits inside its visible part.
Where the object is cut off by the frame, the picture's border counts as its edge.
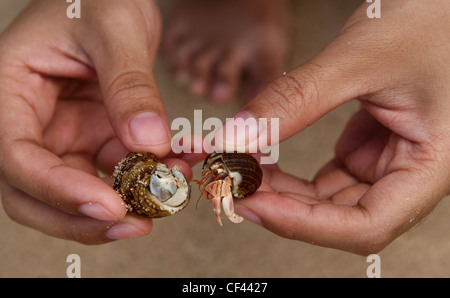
(136, 111)
(298, 99)
(123, 57)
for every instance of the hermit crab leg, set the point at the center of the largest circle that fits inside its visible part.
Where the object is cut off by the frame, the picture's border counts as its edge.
(216, 206)
(227, 201)
(213, 192)
(229, 176)
(220, 192)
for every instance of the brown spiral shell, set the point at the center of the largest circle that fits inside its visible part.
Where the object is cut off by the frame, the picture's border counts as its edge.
(243, 168)
(149, 188)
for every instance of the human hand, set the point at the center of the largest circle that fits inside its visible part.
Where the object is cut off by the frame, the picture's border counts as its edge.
(76, 95)
(392, 161)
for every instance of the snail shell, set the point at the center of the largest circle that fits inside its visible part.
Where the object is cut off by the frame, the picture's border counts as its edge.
(149, 188)
(243, 168)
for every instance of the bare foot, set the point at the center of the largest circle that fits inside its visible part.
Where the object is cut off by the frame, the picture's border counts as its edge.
(221, 47)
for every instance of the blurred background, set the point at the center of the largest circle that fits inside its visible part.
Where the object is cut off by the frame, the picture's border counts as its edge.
(191, 244)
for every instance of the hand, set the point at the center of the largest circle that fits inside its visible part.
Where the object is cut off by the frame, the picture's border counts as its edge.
(76, 95)
(392, 163)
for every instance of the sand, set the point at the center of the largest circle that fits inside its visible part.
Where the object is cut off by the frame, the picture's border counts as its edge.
(191, 244)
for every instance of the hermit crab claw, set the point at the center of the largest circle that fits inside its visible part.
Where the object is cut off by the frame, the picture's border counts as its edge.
(228, 208)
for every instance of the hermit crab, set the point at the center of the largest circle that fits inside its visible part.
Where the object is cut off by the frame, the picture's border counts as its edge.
(226, 176)
(148, 187)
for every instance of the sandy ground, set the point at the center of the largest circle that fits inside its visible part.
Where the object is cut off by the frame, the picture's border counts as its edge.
(191, 244)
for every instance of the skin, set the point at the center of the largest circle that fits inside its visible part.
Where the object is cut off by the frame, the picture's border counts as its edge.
(62, 105)
(391, 164)
(74, 97)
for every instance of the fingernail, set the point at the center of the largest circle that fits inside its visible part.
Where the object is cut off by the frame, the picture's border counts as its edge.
(247, 214)
(240, 134)
(97, 211)
(124, 231)
(247, 128)
(148, 129)
(221, 91)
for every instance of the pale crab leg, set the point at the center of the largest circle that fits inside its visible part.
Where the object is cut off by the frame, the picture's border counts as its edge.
(228, 208)
(216, 205)
(213, 193)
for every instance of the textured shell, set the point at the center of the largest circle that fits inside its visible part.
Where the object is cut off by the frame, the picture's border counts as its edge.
(243, 168)
(147, 186)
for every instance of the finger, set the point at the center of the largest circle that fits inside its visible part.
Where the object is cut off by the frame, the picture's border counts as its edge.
(382, 213)
(331, 179)
(327, 185)
(37, 215)
(173, 35)
(183, 58)
(329, 225)
(190, 148)
(26, 165)
(113, 152)
(299, 98)
(42, 175)
(77, 126)
(402, 198)
(123, 58)
(109, 155)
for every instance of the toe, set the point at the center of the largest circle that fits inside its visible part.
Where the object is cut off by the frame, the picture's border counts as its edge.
(182, 60)
(228, 77)
(203, 70)
(172, 37)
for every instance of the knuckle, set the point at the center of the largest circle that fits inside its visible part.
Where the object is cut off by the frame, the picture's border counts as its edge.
(131, 86)
(295, 92)
(129, 82)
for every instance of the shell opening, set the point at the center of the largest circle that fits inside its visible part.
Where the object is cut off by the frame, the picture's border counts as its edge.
(169, 186)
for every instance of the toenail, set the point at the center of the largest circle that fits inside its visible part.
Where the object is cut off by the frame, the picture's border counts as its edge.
(199, 86)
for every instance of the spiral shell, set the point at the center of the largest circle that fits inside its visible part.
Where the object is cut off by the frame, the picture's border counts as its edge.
(243, 168)
(149, 188)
